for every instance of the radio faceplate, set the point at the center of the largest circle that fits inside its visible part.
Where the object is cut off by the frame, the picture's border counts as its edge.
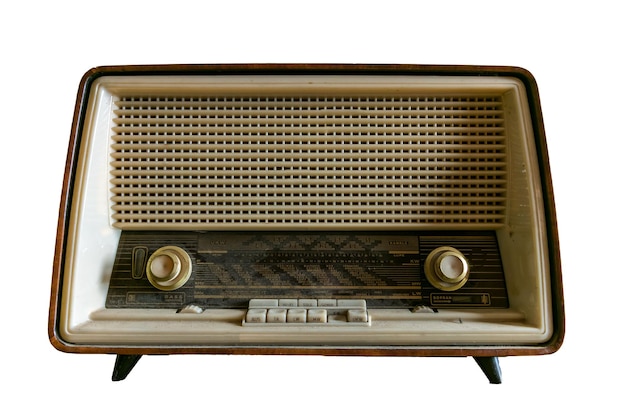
(230, 268)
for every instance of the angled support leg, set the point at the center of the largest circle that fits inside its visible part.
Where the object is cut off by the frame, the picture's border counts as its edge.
(491, 368)
(123, 365)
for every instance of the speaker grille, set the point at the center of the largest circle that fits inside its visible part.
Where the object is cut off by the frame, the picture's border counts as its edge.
(211, 162)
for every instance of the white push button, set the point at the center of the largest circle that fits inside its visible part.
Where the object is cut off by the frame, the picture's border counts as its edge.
(317, 315)
(358, 316)
(276, 315)
(256, 315)
(262, 302)
(327, 302)
(296, 315)
(352, 303)
(288, 302)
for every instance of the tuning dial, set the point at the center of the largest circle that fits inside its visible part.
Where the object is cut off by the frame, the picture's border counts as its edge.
(446, 268)
(168, 268)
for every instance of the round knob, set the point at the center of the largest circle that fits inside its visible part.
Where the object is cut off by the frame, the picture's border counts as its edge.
(165, 267)
(446, 268)
(168, 268)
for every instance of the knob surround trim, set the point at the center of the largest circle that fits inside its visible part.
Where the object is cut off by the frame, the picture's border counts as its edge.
(168, 268)
(446, 268)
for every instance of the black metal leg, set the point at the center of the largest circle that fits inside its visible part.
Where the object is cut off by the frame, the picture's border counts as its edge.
(123, 365)
(491, 368)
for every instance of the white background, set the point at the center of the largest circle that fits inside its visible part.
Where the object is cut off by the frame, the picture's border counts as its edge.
(575, 51)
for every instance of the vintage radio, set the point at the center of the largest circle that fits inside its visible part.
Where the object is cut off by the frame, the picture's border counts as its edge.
(307, 209)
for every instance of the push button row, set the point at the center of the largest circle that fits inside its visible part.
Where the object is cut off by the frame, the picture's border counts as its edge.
(306, 311)
(306, 302)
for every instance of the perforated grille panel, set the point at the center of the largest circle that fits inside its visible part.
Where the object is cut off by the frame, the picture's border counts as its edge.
(214, 162)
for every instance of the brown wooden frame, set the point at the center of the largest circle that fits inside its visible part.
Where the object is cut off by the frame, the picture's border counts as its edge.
(550, 346)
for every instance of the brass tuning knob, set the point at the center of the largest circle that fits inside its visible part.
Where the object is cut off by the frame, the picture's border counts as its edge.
(168, 268)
